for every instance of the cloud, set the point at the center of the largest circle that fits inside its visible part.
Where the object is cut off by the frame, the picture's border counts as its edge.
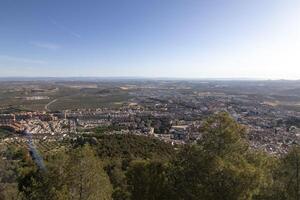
(21, 60)
(64, 28)
(46, 45)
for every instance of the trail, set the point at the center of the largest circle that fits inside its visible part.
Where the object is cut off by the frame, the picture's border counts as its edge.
(47, 106)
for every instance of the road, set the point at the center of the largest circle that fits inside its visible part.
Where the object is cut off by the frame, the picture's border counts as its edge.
(47, 106)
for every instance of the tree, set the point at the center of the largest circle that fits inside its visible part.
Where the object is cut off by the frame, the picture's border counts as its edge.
(147, 180)
(8, 173)
(221, 166)
(76, 175)
(286, 178)
(86, 178)
(222, 136)
(116, 172)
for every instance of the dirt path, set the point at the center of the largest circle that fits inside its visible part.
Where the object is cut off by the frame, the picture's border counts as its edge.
(47, 106)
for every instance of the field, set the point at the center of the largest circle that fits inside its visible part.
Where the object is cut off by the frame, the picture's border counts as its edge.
(63, 95)
(59, 96)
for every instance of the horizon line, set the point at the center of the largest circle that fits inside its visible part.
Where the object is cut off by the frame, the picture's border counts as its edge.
(147, 77)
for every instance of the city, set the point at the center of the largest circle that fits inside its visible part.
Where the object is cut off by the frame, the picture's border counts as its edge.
(172, 111)
(150, 100)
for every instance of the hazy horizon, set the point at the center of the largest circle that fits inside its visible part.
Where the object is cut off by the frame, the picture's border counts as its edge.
(177, 39)
(90, 78)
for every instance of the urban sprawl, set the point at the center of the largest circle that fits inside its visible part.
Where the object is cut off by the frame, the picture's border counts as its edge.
(164, 111)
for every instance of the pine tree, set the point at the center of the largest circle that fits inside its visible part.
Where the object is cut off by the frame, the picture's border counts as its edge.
(86, 178)
(219, 167)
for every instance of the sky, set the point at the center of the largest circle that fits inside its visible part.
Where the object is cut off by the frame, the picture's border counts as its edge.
(150, 38)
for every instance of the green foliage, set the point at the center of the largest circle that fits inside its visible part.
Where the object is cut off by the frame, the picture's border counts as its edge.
(222, 136)
(127, 146)
(8, 187)
(11, 161)
(5, 133)
(120, 194)
(106, 129)
(76, 175)
(290, 172)
(86, 178)
(286, 178)
(148, 180)
(221, 166)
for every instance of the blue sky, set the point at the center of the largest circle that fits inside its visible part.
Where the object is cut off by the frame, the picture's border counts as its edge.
(151, 38)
